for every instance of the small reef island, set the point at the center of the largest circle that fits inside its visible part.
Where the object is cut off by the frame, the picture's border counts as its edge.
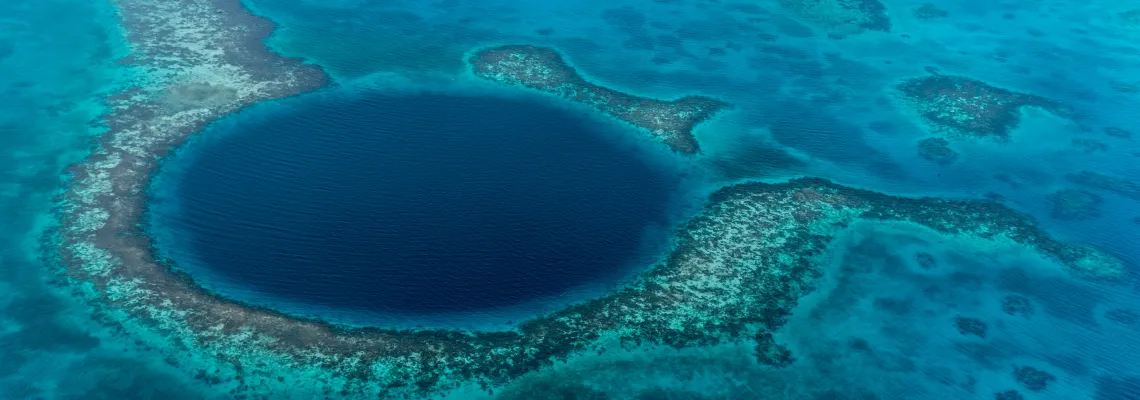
(734, 272)
(540, 68)
(963, 107)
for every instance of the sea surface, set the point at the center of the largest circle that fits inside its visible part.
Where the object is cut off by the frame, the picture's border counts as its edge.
(287, 205)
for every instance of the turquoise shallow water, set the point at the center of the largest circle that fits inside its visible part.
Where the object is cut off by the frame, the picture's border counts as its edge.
(879, 326)
(56, 66)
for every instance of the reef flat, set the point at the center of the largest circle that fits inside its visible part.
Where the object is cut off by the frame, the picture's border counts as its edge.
(541, 68)
(966, 107)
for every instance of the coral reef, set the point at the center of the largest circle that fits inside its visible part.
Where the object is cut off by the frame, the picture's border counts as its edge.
(929, 11)
(1033, 378)
(735, 271)
(1074, 204)
(841, 18)
(1107, 183)
(962, 106)
(1122, 316)
(970, 326)
(937, 150)
(1017, 305)
(541, 68)
(1008, 395)
(926, 260)
(768, 352)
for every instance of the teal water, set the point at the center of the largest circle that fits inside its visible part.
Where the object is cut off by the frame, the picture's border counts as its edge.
(879, 325)
(56, 67)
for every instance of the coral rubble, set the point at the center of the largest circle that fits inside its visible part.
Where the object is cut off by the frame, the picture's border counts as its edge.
(544, 69)
(1074, 204)
(962, 106)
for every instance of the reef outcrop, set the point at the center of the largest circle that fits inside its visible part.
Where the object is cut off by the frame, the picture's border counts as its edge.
(965, 107)
(937, 150)
(544, 69)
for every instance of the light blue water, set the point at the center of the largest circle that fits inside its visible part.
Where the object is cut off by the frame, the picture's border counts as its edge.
(56, 66)
(805, 105)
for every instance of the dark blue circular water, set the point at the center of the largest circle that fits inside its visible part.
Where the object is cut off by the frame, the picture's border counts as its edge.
(410, 204)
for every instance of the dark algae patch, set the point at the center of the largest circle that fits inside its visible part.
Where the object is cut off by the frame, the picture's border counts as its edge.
(544, 69)
(961, 106)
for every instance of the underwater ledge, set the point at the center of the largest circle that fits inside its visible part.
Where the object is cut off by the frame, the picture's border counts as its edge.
(734, 273)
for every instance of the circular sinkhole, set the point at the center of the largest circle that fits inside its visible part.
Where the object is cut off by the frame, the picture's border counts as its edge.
(418, 210)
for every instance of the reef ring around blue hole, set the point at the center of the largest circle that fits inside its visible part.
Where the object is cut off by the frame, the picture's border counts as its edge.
(348, 205)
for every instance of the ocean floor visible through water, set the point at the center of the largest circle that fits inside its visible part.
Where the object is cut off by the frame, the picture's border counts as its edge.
(899, 312)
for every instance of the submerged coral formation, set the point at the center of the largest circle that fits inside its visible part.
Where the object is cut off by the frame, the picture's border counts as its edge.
(544, 69)
(841, 18)
(1033, 378)
(1118, 132)
(1017, 305)
(929, 11)
(770, 353)
(1089, 145)
(1122, 316)
(1075, 204)
(962, 106)
(937, 150)
(1107, 183)
(971, 326)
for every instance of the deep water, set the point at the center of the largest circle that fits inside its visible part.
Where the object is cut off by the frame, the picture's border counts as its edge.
(372, 204)
(879, 325)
